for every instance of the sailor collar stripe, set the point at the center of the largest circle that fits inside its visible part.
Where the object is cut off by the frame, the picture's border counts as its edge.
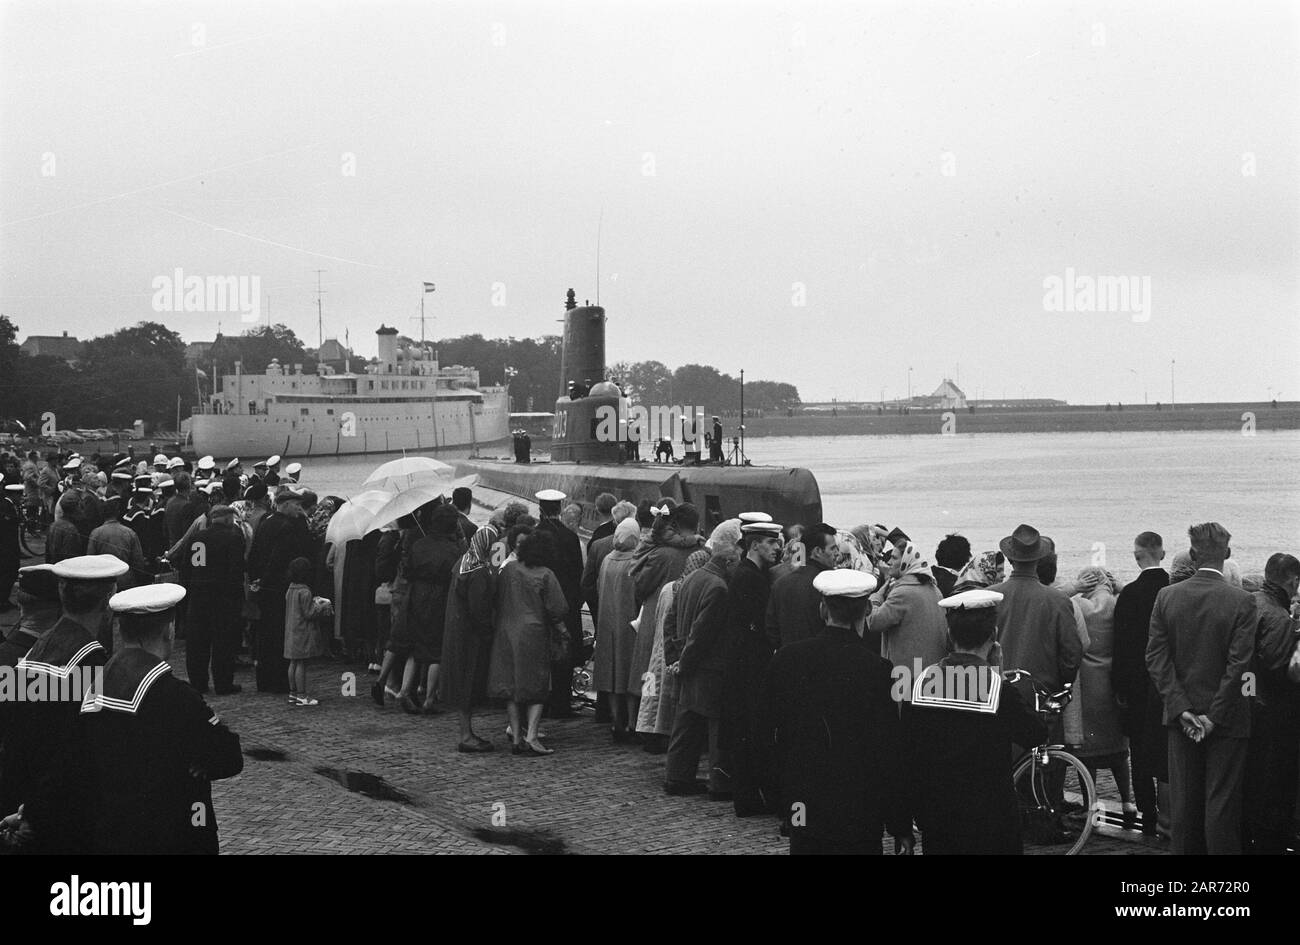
(932, 678)
(61, 672)
(96, 702)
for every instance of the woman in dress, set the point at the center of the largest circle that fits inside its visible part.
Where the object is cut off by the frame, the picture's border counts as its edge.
(431, 559)
(1104, 744)
(615, 638)
(659, 701)
(530, 611)
(467, 643)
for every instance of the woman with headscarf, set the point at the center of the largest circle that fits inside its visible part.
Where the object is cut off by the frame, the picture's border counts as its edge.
(1104, 744)
(659, 694)
(467, 641)
(983, 570)
(530, 610)
(906, 616)
(615, 637)
(658, 562)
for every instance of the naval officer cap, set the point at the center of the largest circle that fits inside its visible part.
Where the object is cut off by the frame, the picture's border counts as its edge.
(121, 475)
(123, 463)
(73, 463)
(293, 469)
(844, 582)
(274, 460)
(167, 483)
(550, 495)
(147, 599)
(232, 464)
(751, 518)
(207, 462)
(976, 599)
(762, 529)
(260, 464)
(90, 568)
(15, 488)
(160, 460)
(175, 463)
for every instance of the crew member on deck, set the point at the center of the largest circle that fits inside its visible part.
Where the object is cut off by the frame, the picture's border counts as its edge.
(154, 746)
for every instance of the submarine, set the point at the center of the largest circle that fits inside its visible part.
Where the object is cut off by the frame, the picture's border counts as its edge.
(585, 460)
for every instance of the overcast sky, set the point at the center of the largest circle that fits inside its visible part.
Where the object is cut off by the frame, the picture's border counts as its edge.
(825, 193)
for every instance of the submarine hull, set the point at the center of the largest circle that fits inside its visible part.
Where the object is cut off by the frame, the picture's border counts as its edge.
(789, 494)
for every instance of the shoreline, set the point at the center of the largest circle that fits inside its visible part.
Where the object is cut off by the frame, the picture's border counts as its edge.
(1235, 418)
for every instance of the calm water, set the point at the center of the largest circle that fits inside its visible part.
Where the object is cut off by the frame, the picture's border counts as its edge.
(1079, 488)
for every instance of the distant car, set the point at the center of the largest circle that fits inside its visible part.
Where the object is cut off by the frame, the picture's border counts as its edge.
(69, 436)
(127, 434)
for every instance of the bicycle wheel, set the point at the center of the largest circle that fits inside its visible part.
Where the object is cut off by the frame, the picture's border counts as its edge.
(32, 541)
(1057, 801)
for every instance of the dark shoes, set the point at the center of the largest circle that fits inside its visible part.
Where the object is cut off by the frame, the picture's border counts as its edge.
(377, 693)
(475, 745)
(685, 788)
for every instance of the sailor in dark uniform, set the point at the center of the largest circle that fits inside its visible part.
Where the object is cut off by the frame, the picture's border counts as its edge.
(272, 473)
(204, 470)
(746, 652)
(568, 570)
(959, 732)
(136, 518)
(41, 775)
(153, 745)
(833, 730)
(231, 483)
(163, 492)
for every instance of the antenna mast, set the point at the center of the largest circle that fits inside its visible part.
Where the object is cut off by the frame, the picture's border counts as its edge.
(320, 318)
(599, 223)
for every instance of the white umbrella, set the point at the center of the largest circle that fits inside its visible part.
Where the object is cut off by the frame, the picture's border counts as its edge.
(404, 503)
(353, 517)
(407, 472)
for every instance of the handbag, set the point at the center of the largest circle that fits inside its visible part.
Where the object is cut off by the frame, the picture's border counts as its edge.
(559, 642)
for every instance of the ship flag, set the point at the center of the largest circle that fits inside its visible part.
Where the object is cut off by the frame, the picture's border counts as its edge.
(428, 287)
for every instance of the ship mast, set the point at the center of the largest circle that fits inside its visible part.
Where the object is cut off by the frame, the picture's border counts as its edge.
(320, 317)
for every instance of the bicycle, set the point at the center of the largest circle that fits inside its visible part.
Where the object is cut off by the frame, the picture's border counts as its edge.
(32, 530)
(1056, 793)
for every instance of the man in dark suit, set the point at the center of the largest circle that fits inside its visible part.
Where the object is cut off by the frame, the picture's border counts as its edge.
(832, 729)
(794, 607)
(1131, 681)
(568, 570)
(463, 500)
(1273, 760)
(605, 503)
(1202, 643)
(950, 557)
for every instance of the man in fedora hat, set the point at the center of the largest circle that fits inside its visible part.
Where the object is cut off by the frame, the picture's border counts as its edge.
(1035, 623)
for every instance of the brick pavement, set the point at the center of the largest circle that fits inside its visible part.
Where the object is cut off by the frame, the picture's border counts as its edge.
(589, 797)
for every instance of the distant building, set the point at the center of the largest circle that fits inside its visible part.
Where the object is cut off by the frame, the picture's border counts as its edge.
(332, 350)
(947, 396)
(54, 346)
(199, 352)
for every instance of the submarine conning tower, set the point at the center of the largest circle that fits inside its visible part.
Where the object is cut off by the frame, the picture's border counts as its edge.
(582, 358)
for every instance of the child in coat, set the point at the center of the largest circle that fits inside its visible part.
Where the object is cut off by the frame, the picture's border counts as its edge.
(304, 634)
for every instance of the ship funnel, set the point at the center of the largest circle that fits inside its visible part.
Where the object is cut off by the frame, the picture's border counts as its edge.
(387, 349)
(583, 355)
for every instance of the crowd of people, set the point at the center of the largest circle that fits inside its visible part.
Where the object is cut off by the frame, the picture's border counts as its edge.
(811, 666)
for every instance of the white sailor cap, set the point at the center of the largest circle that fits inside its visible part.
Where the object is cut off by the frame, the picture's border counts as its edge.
(748, 518)
(73, 463)
(147, 599)
(122, 463)
(766, 529)
(160, 460)
(274, 460)
(974, 599)
(232, 464)
(121, 474)
(142, 490)
(207, 462)
(15, 487)
(844, 582)
(90, 568)
(260, 464)
(213, 486)
(550, 495)
(175, 463)
(166, 483)
(293, 469)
